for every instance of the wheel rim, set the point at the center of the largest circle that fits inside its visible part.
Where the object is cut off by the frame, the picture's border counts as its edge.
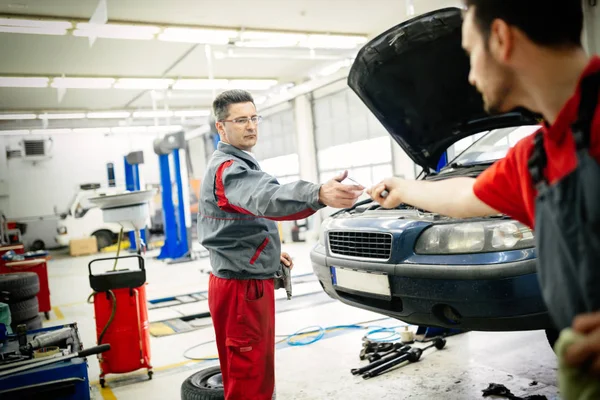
(214, 381)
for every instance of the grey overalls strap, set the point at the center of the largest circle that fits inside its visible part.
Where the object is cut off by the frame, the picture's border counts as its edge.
(567, 221)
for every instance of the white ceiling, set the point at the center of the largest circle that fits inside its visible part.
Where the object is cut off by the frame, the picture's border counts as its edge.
(53, 56)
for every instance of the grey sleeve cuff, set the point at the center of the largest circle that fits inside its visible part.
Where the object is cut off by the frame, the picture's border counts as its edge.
(314, 198)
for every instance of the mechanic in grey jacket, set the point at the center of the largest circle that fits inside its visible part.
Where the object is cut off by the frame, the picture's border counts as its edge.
(239, 205)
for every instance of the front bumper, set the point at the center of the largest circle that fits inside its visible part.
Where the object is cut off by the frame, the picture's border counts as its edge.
(500, 297)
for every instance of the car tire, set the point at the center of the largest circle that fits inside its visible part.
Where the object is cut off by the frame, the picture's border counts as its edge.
(199, 386)
(32, 324)
(18, 286)
(24, 310)
(38, 245)
(552, 336)
(104, 238)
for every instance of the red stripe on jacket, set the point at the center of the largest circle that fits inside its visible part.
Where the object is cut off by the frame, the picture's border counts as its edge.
(226, 206)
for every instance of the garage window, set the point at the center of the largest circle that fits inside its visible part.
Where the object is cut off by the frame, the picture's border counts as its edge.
(349, 137)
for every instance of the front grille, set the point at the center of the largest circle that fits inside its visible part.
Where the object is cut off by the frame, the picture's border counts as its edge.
(361, 244)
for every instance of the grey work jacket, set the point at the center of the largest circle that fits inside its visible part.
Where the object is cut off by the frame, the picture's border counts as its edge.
(238, 206)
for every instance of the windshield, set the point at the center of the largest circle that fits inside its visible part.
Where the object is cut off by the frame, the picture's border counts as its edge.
(493, 145)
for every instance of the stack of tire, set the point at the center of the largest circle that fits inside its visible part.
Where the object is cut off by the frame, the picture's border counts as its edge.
(19, 291)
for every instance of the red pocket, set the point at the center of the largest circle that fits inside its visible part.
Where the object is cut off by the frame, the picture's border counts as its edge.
(244, 357)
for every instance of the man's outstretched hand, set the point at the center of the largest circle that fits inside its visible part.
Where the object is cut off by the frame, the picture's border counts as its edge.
(286, 260)
(586, 351)
(394, 196)
(337, 195)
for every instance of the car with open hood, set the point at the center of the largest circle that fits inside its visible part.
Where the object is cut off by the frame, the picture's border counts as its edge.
(420, 267)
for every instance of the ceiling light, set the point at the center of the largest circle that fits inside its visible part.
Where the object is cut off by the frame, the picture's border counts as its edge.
(109, 114)
(91, 130)
(35, 31)
(200, 84)
(17, 116)
(23, 82)
(15, 132)
(152, 114)
(252, 84)
(165, 129)
(62, 116)
(193, 35)
(141, 83)
(334, 41)
(116, 31)
(269, 39)
(40, 27)
(83, 83)
(33, 23)
(50, 131)
(129, 129)
(192, 113)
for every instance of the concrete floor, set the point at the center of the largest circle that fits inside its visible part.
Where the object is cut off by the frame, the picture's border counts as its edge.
(320, 370)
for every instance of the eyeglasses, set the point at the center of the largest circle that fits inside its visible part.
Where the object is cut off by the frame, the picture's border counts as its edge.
(243, 121)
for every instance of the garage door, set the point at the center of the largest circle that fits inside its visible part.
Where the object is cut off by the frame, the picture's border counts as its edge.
(348, 136)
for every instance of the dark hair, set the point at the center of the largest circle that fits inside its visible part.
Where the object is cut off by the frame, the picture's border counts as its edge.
(223, 100)
(550, 23)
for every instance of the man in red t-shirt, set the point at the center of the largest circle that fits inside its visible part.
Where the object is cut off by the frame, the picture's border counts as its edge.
(522, 54)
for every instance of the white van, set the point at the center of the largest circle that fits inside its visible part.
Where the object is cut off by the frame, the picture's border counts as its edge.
(83, 219)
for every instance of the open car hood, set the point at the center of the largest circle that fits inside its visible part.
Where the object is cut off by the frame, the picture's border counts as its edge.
(414, 79)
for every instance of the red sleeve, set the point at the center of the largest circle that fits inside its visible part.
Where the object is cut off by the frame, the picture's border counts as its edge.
(501, 185)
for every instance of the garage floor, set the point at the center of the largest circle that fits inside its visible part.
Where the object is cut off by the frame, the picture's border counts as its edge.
(522, 361)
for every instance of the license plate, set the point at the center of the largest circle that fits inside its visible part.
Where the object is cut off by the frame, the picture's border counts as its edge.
(365, 282)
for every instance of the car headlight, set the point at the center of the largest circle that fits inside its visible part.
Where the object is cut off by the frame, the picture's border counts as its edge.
(474, 237)
(62, 230)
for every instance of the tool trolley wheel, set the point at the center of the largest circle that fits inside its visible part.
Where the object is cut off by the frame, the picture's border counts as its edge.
(206, 384)
(150, 374)
(102, 382)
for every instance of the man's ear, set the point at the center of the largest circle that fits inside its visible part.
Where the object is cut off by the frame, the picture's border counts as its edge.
(501, 40)
(220, 127)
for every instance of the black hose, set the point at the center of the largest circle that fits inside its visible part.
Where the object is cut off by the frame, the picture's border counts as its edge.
(112, 317)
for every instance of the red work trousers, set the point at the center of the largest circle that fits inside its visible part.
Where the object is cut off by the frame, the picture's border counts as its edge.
(243, 315)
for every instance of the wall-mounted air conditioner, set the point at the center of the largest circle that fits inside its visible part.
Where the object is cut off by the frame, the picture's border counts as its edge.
(36, 149)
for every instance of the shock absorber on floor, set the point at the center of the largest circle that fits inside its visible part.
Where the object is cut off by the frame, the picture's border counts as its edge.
(412, 355)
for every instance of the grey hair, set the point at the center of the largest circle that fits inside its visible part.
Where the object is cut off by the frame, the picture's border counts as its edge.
(223, 100)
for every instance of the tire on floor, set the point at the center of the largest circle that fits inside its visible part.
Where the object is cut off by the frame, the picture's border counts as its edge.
(32, 324)
(18, 286)
(200, 386)
(24, 310)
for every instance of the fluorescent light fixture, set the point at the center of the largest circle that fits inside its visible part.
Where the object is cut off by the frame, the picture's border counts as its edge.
(34, 23)
(191, 113)
(152, 114)
(165, 129)
(334, 41)
(14, 132)
(142, 83)
(200, 84)
(40, 27)
(50, 131)
(83, 83)
(194, 35)
(34, 31)
(17, 116)
(109, 115)
(270, 39)
(129, 129)
(91, 130)
(62, 116)
(252, 84)
(116, 31)
(23, 82)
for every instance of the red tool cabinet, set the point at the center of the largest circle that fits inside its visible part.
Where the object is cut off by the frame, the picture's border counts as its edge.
(39, 267)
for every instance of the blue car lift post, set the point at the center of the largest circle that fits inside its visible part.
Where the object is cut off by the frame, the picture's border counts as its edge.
(132, 183)
(177, 240)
